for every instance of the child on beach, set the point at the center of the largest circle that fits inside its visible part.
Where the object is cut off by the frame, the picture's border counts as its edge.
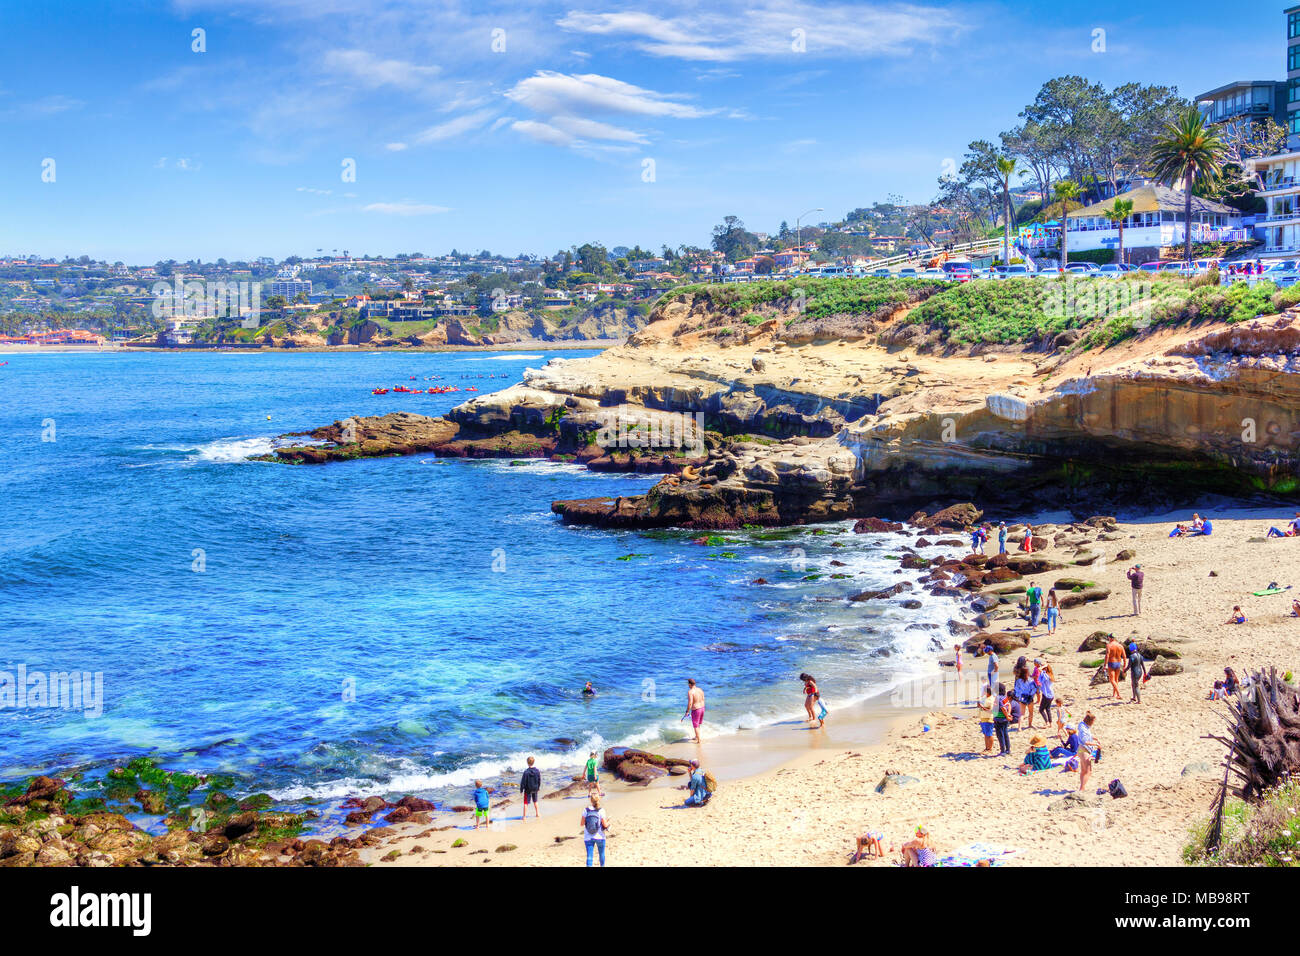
(920, 851)
(869, 845)
(592, 773)
(482, 805)
(956, 649)
(1237, 617)
(821, 710)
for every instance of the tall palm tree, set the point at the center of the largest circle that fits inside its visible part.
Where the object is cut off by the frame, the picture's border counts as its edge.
(1119, 210)
(1189, 153)
(1006, 167)
(1067, 192)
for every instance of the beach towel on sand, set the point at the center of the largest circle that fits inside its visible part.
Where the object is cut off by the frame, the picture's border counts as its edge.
(976, 853)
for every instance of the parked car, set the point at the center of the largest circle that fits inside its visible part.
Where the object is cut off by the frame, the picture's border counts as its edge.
(907, 272)
(933, 274)
(881, 273)
(1016, 271)
(1150, 267)
(1090, 268)
(1283, 272)
(1112, 270)
(1050, 272)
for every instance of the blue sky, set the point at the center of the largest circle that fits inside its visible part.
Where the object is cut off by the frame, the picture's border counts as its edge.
(526, 127)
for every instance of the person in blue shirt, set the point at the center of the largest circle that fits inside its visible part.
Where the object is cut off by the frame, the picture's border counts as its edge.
(1002, 537)
(1071, 745)
(482, 805)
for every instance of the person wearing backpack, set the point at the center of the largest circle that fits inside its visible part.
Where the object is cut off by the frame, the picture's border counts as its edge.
(594, 825)
(530, 785)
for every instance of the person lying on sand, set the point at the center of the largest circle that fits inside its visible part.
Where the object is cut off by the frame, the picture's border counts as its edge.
(1038, 758)
(1237, 617)
(1295, 608)
(920, 851)
(869, 845)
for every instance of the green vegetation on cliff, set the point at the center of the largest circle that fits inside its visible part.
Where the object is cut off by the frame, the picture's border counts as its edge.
(821, 297)
(1013, 311)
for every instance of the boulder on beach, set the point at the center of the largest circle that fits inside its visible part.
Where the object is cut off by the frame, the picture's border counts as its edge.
(1080, 598)
(1003, 642)
(876, 526)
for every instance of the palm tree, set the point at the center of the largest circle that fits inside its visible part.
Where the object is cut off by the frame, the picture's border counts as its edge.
(1119, 210)
(1006, 167)
(1189, 153)
(1067, 192)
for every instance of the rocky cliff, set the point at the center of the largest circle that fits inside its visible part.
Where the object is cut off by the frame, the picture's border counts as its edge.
(776, 421)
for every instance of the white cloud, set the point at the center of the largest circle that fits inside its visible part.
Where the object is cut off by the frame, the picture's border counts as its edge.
(395, 147)
(455, 127)
(373, 72)
(735, 30)
(563, 93)
(404, 208)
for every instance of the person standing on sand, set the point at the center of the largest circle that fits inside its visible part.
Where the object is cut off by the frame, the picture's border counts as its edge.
(594, 825)
(1002, 720)
(1085, 749)
(1028, 544)
(592, 774)
(1136, 669)
(956, 649)
(1002, 537)
(1053, 611)
(530, 785)
(993, 665)
(1136, 578)
(1034, 594)
(695, 706)
(1046, 680)
(1114, 665)
(985, 705)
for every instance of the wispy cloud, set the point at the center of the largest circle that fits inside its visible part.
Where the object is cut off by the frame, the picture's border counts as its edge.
(404, 208)
(453, 128)
(732, 30)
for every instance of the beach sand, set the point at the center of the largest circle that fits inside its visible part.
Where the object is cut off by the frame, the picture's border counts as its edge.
(821, 793)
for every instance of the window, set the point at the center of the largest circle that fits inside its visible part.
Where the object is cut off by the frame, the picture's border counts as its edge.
(1293, 58)
(1293, 26)
(1295, 122)
(1293, 90)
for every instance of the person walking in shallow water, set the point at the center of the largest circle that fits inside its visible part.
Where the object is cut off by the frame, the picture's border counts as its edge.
(695, 706)
(809, 694)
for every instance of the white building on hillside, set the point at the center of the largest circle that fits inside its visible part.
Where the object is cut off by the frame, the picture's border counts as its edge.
(1155, 225)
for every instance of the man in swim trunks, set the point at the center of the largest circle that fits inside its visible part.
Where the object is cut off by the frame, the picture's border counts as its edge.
(1114, 664)
(695, 706)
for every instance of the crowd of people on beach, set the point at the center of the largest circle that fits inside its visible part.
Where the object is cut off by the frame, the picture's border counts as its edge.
(1059, 742)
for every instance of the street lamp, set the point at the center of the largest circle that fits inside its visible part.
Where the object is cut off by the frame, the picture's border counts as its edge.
(798, 229)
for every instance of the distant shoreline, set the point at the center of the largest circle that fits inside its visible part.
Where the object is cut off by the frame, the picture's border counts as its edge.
(533, 345)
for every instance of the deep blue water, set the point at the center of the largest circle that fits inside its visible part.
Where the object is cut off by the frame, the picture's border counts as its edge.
(462, 613)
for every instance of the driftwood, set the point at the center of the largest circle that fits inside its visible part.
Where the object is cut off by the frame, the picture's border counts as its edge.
(1264, 746)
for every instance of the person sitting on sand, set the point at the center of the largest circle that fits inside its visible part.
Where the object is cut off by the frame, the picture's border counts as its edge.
(985, 705)
(1217, 692)
(698, 786)
(1069, 744)
(1230, 683)
(869, 844)
(1038, 758)
(920, 851)
(1236, 617)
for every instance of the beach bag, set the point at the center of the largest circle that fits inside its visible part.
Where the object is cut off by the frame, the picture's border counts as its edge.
(591, 821)
(1117, 789)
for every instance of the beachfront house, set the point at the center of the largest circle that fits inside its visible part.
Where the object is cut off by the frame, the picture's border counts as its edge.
(1156, 227)
(1278, 181)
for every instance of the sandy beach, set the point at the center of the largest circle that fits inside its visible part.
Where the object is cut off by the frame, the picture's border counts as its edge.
(817, 788)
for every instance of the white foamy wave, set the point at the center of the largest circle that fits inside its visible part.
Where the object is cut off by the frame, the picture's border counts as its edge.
(233, 449)
(410, 777)
(511, 357)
